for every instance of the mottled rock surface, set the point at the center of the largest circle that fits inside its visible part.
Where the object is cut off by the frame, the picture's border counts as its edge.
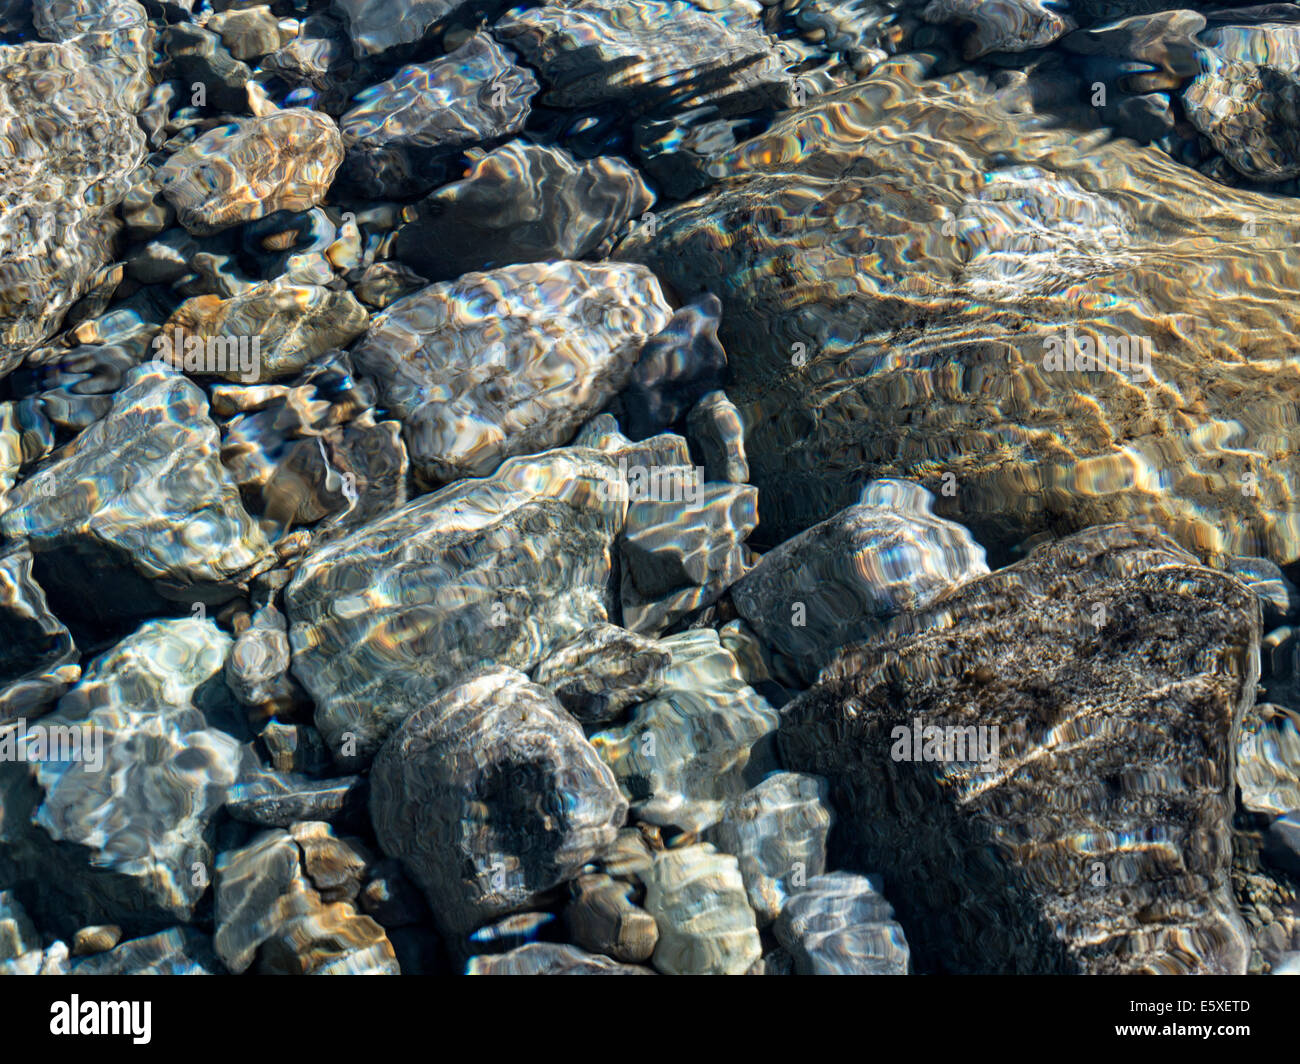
(71, 146)
(777, 831)
(645, 55)
(546, 958)
(697, 743)
(138, 503)
(253, 167)
(151, 774)
(507, 362)
(521, 203)
(845, 577)
(405, 135)
(897, 325)
(602, 672)
(706, 926)
(490, 795)
(503, 570)
(268, 331)
(841, 925)
(1116, 670)
(38, 659)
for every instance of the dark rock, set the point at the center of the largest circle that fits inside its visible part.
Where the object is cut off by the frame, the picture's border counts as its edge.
(491, 795)
(521, 203)
(602, 672)
(1097, 836)
(404, 135)
(677, 368)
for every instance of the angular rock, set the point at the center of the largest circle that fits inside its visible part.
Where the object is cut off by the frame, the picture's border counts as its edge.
(644, 55)
(507, 362)
(1097, 838)
(602, 918)
(269, 331)
(18, 934)
(521, 203)
(38, 659)
(406, 135)
(677, 368)
(137, 506)
(284, 161)
(602, 672)
(490, 795)
(698, 743)
(275, 801)
(503, 570)
(1005, 26)
(682, 554)
(777, 831)
(898, 325)
(548, 958)
(842, 925)
(248, 32)
(716, 425)
(706, 926)
(1268, 759)
(178, 951)
(844, 578)
(151, 774)
(1246, 99)
(72, 147)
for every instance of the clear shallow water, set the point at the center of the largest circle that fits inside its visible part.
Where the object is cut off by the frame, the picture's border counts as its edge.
(636, 487)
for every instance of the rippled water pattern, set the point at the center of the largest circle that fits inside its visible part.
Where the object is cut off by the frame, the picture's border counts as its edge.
(649, 487)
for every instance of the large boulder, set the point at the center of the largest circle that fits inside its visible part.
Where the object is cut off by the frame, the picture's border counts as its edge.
(1040, 765)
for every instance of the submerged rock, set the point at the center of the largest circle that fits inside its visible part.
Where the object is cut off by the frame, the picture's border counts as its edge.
(644, 55)
(138, 506)
(255, 166)
(716, 426)
(507, 362)
(268, 906)
(706, 926)
(521, 203)
(777, 831)
(177, 951)
(548, 958)
(677, 367)
(602, 917)
(844, 578)
(405, 135)
(1104, 677)
(1246, 99)
(841, 924)
(682, 554)
(378, 29)
(150, 774)
(697, 743)
(602, 672)
(38, 659)
(1268, 759)
(489, 795)
(72, 145)
(897, 325)
(1001, 25)
(268, 331)
(505, 570)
